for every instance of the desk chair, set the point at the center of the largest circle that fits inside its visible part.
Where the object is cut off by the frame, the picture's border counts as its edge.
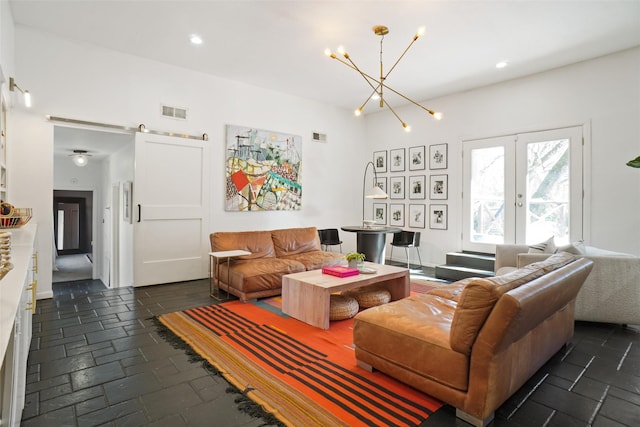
(406, 240)
(329, 237)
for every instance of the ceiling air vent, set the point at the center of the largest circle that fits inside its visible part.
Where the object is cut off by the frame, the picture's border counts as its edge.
(319, 137)
(174, 112)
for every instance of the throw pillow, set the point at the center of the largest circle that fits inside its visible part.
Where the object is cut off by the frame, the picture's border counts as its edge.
(576, 248)
(546, 247)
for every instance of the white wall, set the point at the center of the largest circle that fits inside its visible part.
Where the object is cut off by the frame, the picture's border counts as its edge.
(120, 170)
(603, 94)
(74, 80)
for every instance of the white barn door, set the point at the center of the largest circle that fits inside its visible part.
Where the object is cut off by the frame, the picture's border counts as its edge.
(168, 210)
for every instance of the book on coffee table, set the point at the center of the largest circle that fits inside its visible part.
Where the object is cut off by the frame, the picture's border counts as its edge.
(340, 271)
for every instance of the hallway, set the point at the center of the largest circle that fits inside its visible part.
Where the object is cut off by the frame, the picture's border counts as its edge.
(73, 267)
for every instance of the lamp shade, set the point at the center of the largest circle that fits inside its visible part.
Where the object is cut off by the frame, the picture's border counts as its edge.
(376, 192)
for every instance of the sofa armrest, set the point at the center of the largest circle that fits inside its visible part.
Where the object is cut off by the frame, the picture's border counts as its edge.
(506, 255)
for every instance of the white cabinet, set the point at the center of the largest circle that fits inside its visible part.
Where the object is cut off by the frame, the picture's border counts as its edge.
(17, 304)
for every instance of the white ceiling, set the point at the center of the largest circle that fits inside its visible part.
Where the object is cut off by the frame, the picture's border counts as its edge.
(280, 44)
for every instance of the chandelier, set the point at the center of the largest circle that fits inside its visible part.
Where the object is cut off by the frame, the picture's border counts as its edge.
(378, 85)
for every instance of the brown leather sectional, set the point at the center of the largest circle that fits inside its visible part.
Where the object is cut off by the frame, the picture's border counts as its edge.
(274, 253)
(476, 342)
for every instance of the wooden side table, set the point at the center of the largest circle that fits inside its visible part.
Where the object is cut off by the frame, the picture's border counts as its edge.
(214, 270)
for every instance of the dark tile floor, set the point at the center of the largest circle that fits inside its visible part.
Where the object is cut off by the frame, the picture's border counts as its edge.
(97, 359)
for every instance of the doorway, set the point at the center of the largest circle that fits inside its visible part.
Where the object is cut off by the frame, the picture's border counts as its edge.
(73, 234)
(523, 188)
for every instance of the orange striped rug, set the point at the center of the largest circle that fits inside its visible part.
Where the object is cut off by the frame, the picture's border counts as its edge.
(302, 375)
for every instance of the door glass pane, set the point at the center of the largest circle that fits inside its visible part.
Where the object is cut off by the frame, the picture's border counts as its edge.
(548, 191)
(487, 195)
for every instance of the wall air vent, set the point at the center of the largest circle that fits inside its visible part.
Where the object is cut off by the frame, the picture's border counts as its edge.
(174, 112)
(319, 137)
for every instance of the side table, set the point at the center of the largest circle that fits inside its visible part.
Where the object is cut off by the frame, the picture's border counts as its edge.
(214, 269)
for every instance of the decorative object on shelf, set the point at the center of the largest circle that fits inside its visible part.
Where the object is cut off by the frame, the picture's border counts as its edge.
(355, 259)
(416, 158)
(396, 160)
(417, 185)
(262, 170)
(380, 161)
(80, 158)
(5, 253)
(27, 96)
(416, 216)
(374, 192)
(396, 215)
(438, 156)
(438, 217)
(439, 187)
(379, 85)
(12, 217)
(396, 187)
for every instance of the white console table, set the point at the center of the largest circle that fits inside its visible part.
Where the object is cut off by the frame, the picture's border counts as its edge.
(17, 304)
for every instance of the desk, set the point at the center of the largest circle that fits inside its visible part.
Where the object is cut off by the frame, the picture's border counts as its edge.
(214, 269)
(371, 241)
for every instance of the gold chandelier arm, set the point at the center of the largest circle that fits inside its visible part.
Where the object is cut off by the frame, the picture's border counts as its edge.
(401, 56)
(404, 125)
(379, 83)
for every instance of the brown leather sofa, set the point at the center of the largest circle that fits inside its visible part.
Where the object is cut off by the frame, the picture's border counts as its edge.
(476, 342)
(274, 253)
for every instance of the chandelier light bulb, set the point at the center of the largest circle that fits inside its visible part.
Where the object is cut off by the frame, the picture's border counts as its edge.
(406, 127)
(420, 32)
(328, 52)
(437, 116)
(358, 111)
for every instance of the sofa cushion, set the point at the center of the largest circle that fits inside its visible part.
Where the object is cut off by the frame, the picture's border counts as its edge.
(547, 247)
(576, 248)
(290, 241)
(452, 291)
(259, 243)
(414, 333)
(315, 260)
(259, 274)
(480, 295)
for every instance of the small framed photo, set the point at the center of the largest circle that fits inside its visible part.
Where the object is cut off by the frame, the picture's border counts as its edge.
(417, 187)
(127, 201)
(438, 217)
(416, 216)
(380, 161)
(396, 187)
(380, 213)
(382, 183)
(438, 187)
(438, 156)
(396, 160)
(396, 215)
(416, 158)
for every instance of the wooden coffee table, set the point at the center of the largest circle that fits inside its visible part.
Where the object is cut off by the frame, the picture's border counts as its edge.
(306, 295)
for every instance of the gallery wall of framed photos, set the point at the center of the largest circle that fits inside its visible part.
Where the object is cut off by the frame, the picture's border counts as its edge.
(417, 193)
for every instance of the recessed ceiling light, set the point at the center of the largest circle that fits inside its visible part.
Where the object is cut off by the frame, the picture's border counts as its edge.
(502, 64)
(195, 39)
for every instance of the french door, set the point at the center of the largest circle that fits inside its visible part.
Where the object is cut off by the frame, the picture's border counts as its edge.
(169, 201)
(523, 188)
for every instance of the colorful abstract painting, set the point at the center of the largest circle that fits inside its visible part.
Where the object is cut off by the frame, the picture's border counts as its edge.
(263, 170)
